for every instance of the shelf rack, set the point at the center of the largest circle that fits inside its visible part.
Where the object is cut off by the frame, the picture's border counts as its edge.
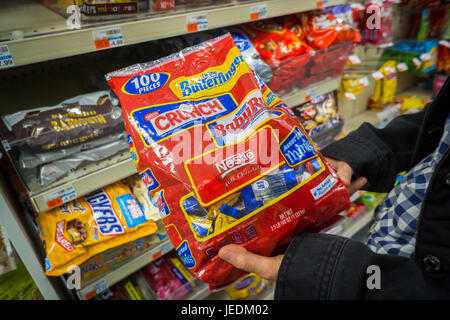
(110, 278)
(99, 174)
(46, 37)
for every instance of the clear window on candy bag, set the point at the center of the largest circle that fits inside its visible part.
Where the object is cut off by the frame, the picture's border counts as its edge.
(207, 222)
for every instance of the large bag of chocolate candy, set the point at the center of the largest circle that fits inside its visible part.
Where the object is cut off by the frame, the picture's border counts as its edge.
(224, 159)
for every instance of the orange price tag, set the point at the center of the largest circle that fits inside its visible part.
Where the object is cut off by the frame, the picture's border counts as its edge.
(258, 12)
(320, 4)
(101, 44)
(54, 203)
(192, 27)
(198, 22)
(157, 255)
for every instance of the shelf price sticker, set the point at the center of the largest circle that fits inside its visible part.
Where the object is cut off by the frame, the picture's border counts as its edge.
(6, 59)
(94, 289)
(350, 96)
(444, 43)
(402, 67)
(198, 22)
(377, 75)
(311, 95)
(354, 59)
(258, 12)
(425, 57)
(416, 62)
(321, 3)
(166, 248)
(61, 196)
(109, 38)
(364, 81)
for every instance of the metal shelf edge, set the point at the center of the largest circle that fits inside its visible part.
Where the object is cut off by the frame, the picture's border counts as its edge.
(127, 269)
(73, 42)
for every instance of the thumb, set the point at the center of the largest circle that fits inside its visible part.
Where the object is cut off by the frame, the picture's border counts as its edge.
(356, 185)
(266, 267)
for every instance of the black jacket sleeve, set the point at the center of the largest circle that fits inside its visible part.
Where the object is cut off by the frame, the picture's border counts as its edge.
(322, 266)
(379, 154)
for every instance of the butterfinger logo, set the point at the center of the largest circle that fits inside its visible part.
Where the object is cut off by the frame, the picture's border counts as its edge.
(213, 80)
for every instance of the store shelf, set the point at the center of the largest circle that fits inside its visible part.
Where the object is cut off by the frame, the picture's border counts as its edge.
(354, 122)
(99, 174)
(358, 225)
(46, 37)
(200, 293)
(303, 95)
(84, 180)
(98, 285)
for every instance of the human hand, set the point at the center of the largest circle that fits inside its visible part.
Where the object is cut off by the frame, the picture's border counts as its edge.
(345, 172)
(266, 267)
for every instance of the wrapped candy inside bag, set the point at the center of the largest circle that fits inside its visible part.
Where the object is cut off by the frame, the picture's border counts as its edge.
(223, 158)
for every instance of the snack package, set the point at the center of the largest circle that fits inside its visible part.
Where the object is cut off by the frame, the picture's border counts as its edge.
(139, 189)
(73, 122)
(382, 34)
(322, 29)
(247, 287)
(115, 257)
(78, 230)
(274, 42)
(126, 289)
(168, 277)
(319, 113)
(225, 160)
(385, 87)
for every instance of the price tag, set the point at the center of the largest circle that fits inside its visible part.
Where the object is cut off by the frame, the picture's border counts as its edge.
(354, 59)
(321, 4)
(350, 96)
(94, 289)
(60, 196)
(108, 38)
(6, 145)
(425, 57)
(402, 67)
(377, 75)
(198, 22)
(444, 43)
(6, 59)
(416, 62)
(389, 70)
(258, 12)
(364, 81)
(162, 250)
(311, 95)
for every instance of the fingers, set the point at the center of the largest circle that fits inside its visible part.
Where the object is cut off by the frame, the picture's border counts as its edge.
(266, 267)
(356, 185)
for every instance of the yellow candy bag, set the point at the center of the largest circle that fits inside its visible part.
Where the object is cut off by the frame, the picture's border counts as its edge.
(103, 219)
(247, 287)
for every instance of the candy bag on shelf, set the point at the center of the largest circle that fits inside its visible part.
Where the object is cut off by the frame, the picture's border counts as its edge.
(228, 160)
(103, 219)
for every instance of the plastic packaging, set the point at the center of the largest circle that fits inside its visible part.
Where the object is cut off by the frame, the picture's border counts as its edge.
(247, 287)
(103, 219)
(228, 160)
(318, 114)
(115, 257)
(168, 277)
(139, 189)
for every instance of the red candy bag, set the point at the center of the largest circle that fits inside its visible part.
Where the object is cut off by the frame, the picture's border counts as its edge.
(224, 159)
